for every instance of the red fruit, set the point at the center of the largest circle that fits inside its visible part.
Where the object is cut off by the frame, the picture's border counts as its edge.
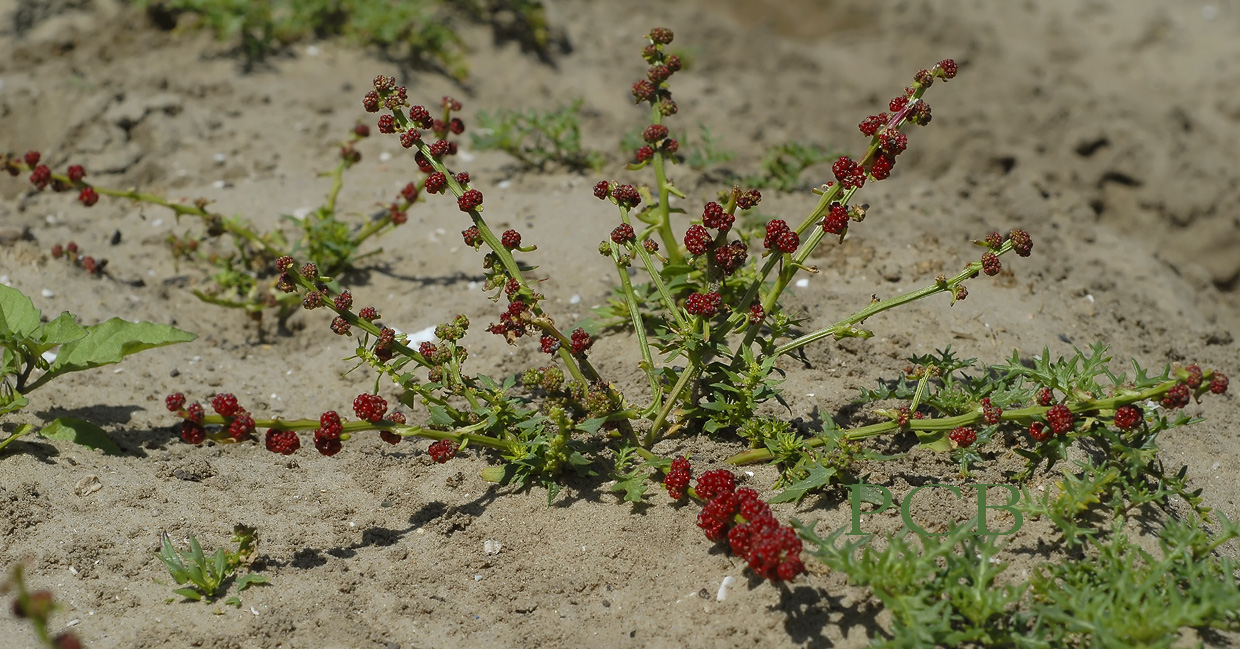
(439, 149)
(456, 126)
(410, 137)
(963, 436)
(990, 264)
(470, 200)
(284, 442)
(716, 516)
(1193, 376)
(390, 437)
(396, 417)
(370, 407)
(703, 304)
(1022, 243)
(310, 271)
(193, 432)
(788, 242)
(990, 413)
(650, 245)
(371, 102)
(644, 90)
(774, 228)
(714, 483)
(549, 344)
(435, 182)
(344, 301)
(836, 221)
(789, 569)
(872, 123)
(361, 130)
(1060, 419)
(713, 216)
(442, 451)
(881, 169)
(897, 104)
(1177, 397)
(325, 445)
(697, 240)
(627, 196)
(658, 73)
(32, 158)
(948, 66)
(368, 313)
(749, 199)
(284, 263)
(194, 412)
(602, 189)
(756, 314)
(892, 143)
(41, 176)
(511, 239)
(660, 36)
(57, 251)
(580, 341)
(623, 233)
(225, 405)
(420, 117)
(993, 241)
(174, 402)
(387, 124)
(670, 146)
(1045, 397)
(329, 426)
(75, 173)
(1218, 384)
(472, 236)
(340, 326)
(677, 479)
(843, 168)
(654, 133)
(1127, 416)
(643, 154)
(462, 177)
(1038, 432)
(241, 425)
(451, 104)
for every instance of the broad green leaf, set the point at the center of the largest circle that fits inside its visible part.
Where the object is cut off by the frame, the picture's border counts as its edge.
(591, 425)
(108, 342)
(634, 487)
(80, 432)
(496, 474)
(18, 316)
(233, 601)
(934, 440)
(245, 581)
(63, 330)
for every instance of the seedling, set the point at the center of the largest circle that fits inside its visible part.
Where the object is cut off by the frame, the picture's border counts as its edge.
(208, 575)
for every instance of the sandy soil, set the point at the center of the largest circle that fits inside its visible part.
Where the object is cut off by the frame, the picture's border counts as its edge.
(1105, 128)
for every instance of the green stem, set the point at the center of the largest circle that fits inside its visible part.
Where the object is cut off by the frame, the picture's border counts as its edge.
(663, 209)
(639, 327)
(1020, 415)
(685, 376)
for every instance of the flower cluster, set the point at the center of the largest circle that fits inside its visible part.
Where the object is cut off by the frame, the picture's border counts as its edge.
(773, 551)
(42, 177)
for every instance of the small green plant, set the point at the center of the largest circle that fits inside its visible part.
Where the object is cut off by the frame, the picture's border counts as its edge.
(207, 575)
(34, 353)
(37, 607)
(537, 138)
(419, 32)
(783, 164)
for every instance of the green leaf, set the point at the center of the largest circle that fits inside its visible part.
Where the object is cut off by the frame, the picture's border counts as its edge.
(633, 486)
(18, 316)
(109, 342)
(233, 601)
(11, 402)
(245, 581)
(591, 425)
(819, 477)
(80, 432)
(63, 330)
(189, 593)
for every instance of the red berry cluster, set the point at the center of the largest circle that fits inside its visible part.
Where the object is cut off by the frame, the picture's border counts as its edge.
(1060, 419)
(773, 551)
(836, 220)
(1039, 433)
(677, 479)
(580, 341)
(884, 128)
(963, 436)
(849, 174)
(470, 201)
(781, 237)
(1126, 417)
(697, 240)
(703, 304)
(990, 412)
(73, 254)
(1177, 397)
(284, 442)
(653, 88)
(623, 234)
(327, 435)
(990, 264)
(713, 216)
(511, 239)
(443, 450)
(370, 407)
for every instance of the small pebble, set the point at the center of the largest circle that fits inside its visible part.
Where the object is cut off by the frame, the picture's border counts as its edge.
(802, 283)
(219, 158)
(723, 588)
(491, 546)
(47, 292)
